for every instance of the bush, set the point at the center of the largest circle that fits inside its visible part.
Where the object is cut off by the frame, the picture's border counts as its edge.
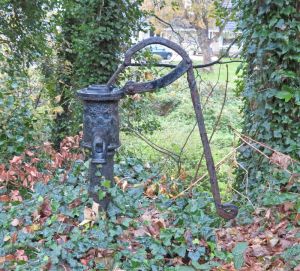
(21, 125)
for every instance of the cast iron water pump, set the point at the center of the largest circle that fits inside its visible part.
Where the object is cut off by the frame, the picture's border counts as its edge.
(101, 122)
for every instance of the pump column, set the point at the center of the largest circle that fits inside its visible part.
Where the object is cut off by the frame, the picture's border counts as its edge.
(100, 136)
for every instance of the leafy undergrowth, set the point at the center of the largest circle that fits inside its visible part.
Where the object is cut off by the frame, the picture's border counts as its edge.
(49, 223)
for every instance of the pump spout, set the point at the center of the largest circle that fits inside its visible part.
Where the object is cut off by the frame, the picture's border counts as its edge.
(99, 150)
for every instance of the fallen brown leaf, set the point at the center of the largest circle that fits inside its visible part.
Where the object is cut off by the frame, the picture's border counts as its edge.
(20, 255)
(75, 203)
(151, 190)
(280, 159)
(7, 258)
(273, 242)
(268, 214)
(15, 222)
(288, 206)
(4, 198)
(282, 225)
(258, 251)
(45, 209)
(15, 195)
(285, 244)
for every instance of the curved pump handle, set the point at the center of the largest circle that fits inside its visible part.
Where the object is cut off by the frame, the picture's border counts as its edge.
(134, 87)
(227, 211)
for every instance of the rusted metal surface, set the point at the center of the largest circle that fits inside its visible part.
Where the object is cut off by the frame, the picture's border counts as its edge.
(101, 121)
(227, 211)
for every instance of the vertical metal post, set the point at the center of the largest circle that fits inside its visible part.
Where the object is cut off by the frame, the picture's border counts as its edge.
(100, 136)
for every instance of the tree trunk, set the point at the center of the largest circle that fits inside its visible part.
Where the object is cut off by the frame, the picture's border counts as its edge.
(272, 106)
(204, 43)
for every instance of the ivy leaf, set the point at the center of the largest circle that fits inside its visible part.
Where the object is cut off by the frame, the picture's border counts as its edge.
(138, 168)
(273, 198)
(205, 266)
(284, 95)
(180, 250)
(280, 24)
(98, 173)
(106, 183)
(297, 97)
(101, 194)
(195, 255)
(238, 254)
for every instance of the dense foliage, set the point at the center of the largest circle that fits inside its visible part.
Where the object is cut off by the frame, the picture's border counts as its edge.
(49, 223)
(24, 27)
(271, 92)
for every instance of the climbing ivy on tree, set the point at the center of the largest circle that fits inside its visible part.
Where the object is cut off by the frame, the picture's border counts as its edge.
(94, 35)
(270, 88)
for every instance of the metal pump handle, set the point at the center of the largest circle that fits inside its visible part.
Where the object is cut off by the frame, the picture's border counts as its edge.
(134, 87)
(227, 211)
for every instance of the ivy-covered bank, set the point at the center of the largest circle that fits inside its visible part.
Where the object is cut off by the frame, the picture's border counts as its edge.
(270, 87)
(55, 226)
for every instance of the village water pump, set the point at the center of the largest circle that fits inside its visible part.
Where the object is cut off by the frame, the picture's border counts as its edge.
(101, 122)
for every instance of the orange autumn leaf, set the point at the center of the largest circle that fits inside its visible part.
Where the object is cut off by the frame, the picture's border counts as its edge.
(7, 258)
(29, 153)
(4, 198)
(16, 160)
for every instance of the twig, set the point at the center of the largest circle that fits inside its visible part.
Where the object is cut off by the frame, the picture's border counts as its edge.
(244, 196)
(200, 66)
(162, 150)
(260, 152)
(37, 101)
(246, 176)
(206, 174)
(114, 77)
(183, 147)
(260, 143)
(168, 24)
(195, 125)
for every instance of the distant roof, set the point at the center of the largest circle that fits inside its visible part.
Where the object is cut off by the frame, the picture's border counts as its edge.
(227, 4)
(230, 26)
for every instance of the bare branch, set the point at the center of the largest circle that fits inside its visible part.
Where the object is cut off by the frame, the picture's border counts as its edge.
(257, 142)
(160, 149)
(222, 161)
(168, 24)
(200, 66)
